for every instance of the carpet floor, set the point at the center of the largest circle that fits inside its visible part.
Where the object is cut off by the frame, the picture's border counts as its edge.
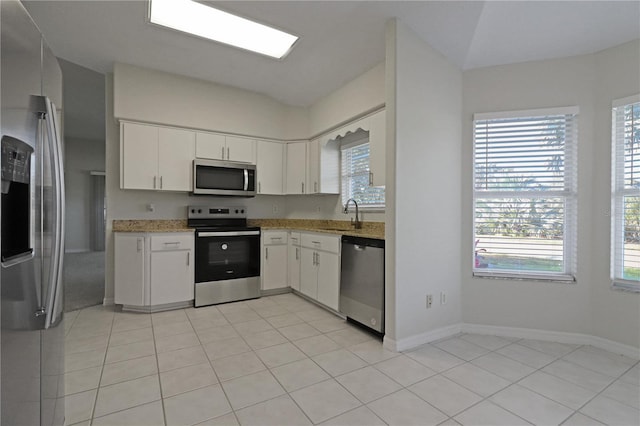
(83, 280)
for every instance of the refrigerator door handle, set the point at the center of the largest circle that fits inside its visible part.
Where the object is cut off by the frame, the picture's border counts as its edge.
(55, 281)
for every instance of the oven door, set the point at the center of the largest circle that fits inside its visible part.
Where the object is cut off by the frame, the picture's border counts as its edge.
(212, 177)
(227, 255)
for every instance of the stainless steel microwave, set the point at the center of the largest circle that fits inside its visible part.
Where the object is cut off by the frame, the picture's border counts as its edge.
(226, 178)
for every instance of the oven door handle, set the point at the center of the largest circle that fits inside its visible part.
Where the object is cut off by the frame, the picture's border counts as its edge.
(246, 179)
(227, 234)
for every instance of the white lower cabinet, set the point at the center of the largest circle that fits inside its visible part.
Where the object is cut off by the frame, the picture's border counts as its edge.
(294, 260)
(153, 270)
(320, 268)
(130, 274)
(274, 260)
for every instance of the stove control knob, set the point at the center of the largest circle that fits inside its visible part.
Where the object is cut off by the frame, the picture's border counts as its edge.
(237, 211)
(199, 210)
(193, 210)
(242, 211)
(224, 246)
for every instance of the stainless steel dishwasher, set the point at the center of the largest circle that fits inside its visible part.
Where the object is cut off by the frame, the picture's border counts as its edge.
(362, 281)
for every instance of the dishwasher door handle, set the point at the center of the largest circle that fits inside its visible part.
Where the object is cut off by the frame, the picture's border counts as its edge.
(358, 247)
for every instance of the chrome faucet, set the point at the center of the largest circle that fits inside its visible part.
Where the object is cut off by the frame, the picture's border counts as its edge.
(357, 224)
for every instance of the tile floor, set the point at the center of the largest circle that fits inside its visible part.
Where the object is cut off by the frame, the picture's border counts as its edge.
(281, 360)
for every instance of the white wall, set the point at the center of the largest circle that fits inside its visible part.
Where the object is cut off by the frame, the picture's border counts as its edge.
(546, 305)
(424, 105)
(82, 156)
(362, 94)
(84, 121)
(615, 314)
(158, 97)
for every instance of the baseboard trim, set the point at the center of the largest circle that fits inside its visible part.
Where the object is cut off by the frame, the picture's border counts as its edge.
(275, 291)
(414, 341)
(108, 301)
(554, 336)
(420, 339)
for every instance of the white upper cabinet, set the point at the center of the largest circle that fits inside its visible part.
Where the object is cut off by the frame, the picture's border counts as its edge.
(138, 156)
(214, 146)
(323, 166)
(211, 146)
(270, 167)
(157, 158)
(242, 150)
(377, 148)
(176, 151)
(296, 168)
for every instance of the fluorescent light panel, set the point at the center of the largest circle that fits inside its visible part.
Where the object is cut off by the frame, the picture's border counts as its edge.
(204, 21)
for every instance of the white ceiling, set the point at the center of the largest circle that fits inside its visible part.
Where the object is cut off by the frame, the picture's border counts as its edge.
(339, 40)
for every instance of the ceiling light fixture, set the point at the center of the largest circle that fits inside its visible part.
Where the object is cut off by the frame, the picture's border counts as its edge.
(204, 21)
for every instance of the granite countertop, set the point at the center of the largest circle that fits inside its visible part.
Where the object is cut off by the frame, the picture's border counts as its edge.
(336, 227)
(140, 225)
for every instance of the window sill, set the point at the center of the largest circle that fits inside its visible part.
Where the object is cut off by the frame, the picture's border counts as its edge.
(626, 286)
(559, 278)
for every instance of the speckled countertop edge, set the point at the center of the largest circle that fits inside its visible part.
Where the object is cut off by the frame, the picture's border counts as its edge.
(334, 227)
(158, 225)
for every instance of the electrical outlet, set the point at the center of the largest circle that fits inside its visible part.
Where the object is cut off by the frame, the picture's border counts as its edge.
(443, 298)
(429, 300)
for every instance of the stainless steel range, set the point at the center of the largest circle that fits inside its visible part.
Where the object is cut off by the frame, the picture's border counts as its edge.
(227, 252)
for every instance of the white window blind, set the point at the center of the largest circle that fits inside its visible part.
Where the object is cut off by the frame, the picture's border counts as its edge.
(355, 174)
(525, 194)
(625, 208)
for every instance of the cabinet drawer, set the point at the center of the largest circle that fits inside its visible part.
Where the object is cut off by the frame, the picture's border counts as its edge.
(330, 243)
(294, 238)
(274, 237)
(172, 242)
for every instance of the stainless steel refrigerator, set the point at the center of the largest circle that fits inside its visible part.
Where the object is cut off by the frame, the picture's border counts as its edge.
(32, 225)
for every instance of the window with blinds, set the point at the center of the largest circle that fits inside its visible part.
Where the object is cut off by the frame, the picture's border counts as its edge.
(525, 194)
(625, 204)
(356, 177)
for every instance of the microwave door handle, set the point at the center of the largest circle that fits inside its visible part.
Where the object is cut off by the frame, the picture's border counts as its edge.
(246, 179)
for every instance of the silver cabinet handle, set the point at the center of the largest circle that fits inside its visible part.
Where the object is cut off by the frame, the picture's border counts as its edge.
(139, 246)
(259, 187)
(303, 187)
(172, 243)
(188, 258)
(266, 253)
(160, 182)
(223, 152)
(228, 153)
(315, 186)
(370, 178)
(154, 182)
(317, 259)
(276, 238)
(297, 255)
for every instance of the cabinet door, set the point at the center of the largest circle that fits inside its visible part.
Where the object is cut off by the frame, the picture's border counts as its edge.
(308, 273)
(139, 156)
(313, 166)
(274, 272)
(270, 163)
(171, 276)
(129, 269)
(294, 267)
(377, 148)
(241, 149)
(296, 167)
(176, 151)
(328, 279)
(210, 146)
